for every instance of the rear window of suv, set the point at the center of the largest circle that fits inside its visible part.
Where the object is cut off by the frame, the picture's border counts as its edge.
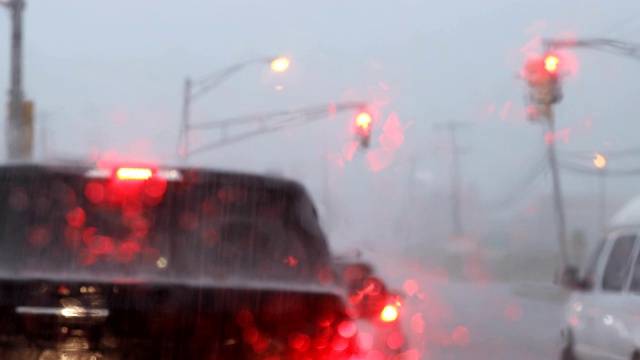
(205, 227)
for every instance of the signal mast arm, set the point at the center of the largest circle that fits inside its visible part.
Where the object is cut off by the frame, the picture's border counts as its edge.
(606, 45)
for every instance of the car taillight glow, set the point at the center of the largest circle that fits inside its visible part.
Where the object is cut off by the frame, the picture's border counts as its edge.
(134, 174)
(389, 313)
(333, 337)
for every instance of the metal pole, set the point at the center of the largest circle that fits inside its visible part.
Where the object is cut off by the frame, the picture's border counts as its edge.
(455, 183)
(557, 191)
(452, 127)
(410, 199)
(15, 131)
(184, 135)
(602, 213)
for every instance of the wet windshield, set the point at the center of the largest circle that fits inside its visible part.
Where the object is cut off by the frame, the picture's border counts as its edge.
(346, 179)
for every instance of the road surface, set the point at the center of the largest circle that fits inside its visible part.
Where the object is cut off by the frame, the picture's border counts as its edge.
(453, 319)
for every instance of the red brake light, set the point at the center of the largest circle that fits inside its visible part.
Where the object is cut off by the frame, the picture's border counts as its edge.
(389, 313)
(134, 174)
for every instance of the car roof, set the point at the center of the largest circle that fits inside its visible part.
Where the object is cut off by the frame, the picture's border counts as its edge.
(267, 180)
(628, 216)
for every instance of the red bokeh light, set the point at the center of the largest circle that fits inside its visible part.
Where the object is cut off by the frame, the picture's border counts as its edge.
(395, 340)
(76, 217)
(461, 336)
(347, 329)
(94, 191)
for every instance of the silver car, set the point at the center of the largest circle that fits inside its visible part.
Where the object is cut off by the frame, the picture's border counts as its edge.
(602, 316)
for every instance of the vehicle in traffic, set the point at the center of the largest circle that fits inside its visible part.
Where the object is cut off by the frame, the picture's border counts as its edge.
(112, 262)
(602, 318)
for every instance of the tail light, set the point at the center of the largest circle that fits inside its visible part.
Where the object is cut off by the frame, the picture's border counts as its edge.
(121, 184)
(327, 334)
(368, 297)
(133, 174)
(389, 313)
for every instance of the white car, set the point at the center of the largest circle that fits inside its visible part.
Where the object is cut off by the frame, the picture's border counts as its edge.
(602, 316)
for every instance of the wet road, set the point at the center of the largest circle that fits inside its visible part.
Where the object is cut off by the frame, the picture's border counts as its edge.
(454, 319)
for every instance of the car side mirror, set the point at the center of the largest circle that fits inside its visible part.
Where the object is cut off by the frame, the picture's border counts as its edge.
(570, 278)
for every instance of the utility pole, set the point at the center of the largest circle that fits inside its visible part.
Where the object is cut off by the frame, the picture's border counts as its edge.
(15, 131)
(183, 147)
(405, 221)
(602, 202)
(452, 127)
(600, 161)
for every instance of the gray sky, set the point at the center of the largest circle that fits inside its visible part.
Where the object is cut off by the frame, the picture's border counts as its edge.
(107, 76)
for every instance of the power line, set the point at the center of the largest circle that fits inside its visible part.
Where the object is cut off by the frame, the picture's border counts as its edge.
(616, 27)
(531, 178)
(614, 153)
(581, 169)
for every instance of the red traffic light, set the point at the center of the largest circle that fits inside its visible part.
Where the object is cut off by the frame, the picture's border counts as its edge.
(363, 127)
(543, 70)
(551, 63)
(363, 123)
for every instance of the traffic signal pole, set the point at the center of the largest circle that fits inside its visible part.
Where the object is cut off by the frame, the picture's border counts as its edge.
(543, 76)
(607, 45)
(602, 200)
(558, 204)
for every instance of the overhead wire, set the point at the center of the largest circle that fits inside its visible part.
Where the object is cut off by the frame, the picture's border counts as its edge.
(581, 169)
(617, 27)
(524, 186)
(607, 153)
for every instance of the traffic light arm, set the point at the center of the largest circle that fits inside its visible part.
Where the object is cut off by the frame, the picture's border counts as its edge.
(288, 123)
(269, 117)
(606, 45)
(270, 122)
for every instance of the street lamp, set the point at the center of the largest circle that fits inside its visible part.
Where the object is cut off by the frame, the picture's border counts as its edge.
(600, 161)
(195, 88)
(280, 64)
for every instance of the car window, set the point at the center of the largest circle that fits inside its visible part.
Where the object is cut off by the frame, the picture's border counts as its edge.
(618, 263)
(592, 266)
(635, 276)
(204, 228)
